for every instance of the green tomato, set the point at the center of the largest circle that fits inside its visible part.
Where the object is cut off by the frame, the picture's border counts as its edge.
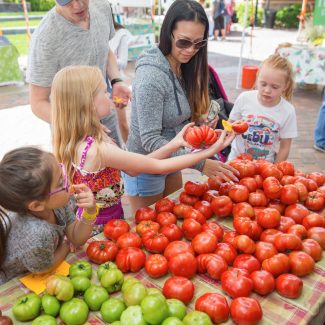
(116, 323)
(172, 321)
(95, 296)
(132, 316)
(60, 286)
(154, 291)
(176, 308)
(105, 267)
(154, 309)
(134, 294)
(80, 283)
(50, 305)
(82, 268)
(112, 280)
(44, 320)
(128, 282)
(197, 318)
(112, 309)
(27, 307)
(74, 312)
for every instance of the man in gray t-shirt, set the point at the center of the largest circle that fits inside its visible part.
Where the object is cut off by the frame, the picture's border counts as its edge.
(75, 32)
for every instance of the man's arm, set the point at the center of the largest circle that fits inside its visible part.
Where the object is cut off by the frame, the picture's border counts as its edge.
(40, 102)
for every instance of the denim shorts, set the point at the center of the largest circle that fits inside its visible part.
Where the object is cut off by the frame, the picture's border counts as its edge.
(144, 184)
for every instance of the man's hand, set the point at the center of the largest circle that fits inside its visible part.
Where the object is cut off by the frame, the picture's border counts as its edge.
(121, 94)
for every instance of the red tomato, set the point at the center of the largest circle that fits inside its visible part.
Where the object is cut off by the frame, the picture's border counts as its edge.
(180, 288)
(195, 188)
(194, 214)
(268, 218)
(289, 285)
(204, 243)
(296, 212)
(315, 201)
(225, 188)
(201, 136)
(214, 228)
(272, 187)
(289, 194)
(269, 235)
(286, 167)
(311, 185)
(269, 170)
(183, 264)
(264, 250)
(318, 234)
(156, 265)
(166, 218)
(259, 163)
(187, 199)
(287, 179)
(129, 239)
(236, 282)
(229, 237)
(191, 228)
(145, 226)
(130, 259)
(247, 262)
(263, 282)
(248, 227)
(164, 205)
(209, 195)
(321, 190)
(246, 168)
(115, 228)
(145, 213)
(318, 177)
(302, 191)
(287, 242)
(301, 263)
(155, 243)
(215, 305)
(222, 206)
(277, 264)
(101, 251)
(298, 230)
(246, 311)
(227, 251)
(312, 248)
(250, 183)
(205, 208)
(214, 183)
(213, 264)
(239, 126)
(238, 193)
(177, 247)
(172, 232)
(244, 244)
(285, 223)
(313, 220)
(179, 209)
(243, 209)
(257, 198)
(276, 204)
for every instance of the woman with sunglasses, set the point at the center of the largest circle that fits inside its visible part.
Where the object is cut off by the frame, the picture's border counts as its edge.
(170, 89)
(36, 233)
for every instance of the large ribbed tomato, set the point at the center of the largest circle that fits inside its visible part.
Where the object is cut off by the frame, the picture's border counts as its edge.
(201, 136)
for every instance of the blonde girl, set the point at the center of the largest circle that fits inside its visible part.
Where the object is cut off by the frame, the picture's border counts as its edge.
(79, 100)
(269, 113)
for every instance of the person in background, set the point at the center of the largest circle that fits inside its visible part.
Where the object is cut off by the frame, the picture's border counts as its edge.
(218, 14)
(268, 111)
(82, 28)
(37, 231)
(319, 133)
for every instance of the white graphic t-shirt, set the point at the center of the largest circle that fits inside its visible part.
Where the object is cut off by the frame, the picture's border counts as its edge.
(267, 126)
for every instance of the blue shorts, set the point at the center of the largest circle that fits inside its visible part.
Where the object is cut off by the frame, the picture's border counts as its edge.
(144, 184)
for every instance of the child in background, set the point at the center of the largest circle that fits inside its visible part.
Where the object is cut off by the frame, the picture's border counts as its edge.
(34, 189)
(79, 100)
(269, 113)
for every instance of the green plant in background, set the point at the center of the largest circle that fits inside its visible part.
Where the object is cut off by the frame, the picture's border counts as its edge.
(287, 16)
(240, 9)
(42, 5)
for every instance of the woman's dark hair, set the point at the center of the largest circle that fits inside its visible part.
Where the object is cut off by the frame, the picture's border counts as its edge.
(197, 68)
(4, 231)
(25, 175)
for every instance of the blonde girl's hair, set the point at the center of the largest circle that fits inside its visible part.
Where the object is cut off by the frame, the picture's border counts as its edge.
(278, 62)
(73, 112)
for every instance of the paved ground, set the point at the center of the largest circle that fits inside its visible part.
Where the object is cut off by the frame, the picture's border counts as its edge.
(20, 127)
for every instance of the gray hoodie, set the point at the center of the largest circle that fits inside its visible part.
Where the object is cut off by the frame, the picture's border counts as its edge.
(160, 107)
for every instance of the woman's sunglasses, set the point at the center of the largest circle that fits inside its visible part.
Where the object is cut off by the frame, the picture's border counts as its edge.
(183, 43)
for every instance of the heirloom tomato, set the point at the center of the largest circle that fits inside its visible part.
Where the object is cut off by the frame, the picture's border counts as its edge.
(191, 228)
(272, 187)
(286, 167)
(268, 218)
(318, 177)
(101, 251)
(111, 310)
(247, 262)
(315, 201)
(264, 250)
(214, 228)
(289, 194)
(205, 208)
(263, 282)
(115, 228)
(131, 315)
(60, 286)
(156, 265)
(297, 212)
(177, 247)
(289, 285)
(129, 239)
(205, 242)
(257, 199)
(259, 181)
(74, 312)
(112, 280)
(164, 205)
(287, 179)
(302, 191)
(209, 195)
(194, 214)
(277, 264)
(239, 126)
(250, 183)
(248, 227)
(301, 263)
(80, 284)
(287, 242)
(178, 287)
(195, 188)
(154, 309)
(318, 234)
(243, 209)
(183, 264)
(80, 268)
(95, 296)
(227, 251)
(238, 193)
(213, 264)
(312, 248)
(229, 238)
(133, 294)
(130, 259)
(27, 307)
(269, 235)
(244, 244)
(201, 136)
(222, 206)
(155, 243)
(176, 308)
(105, 267)
(285, 224)
(313, 220)
(172, 232)
(146, 225)
(246, 168)
(311, 185)
(270, 170)
(166, 218)
(236, 282)
(187, 199)
(276, 204)
(298, 230)
(225, 188)
(145, 213)
(246, 311)
(179, 209)
(214, 183)
(51, 305)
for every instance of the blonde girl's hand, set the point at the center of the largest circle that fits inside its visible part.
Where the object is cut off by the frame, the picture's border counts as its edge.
(179, 140)
(85, 198)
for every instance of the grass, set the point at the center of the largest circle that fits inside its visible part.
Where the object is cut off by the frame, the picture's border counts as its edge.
(19, 23)
(20, 41)
(31, 13)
